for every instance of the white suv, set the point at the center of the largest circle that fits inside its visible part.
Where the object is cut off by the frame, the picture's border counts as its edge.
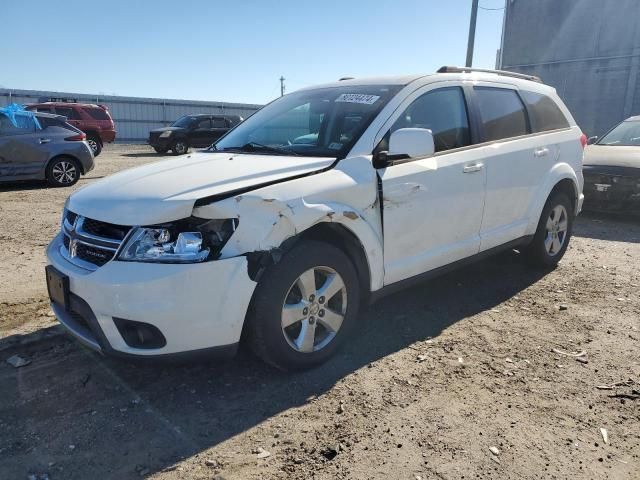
(324, 197)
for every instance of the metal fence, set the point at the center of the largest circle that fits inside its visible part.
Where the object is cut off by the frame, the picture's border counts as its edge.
(589, 50)
(134, 116)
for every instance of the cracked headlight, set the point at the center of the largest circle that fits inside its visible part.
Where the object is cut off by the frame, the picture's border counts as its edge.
(187, 241)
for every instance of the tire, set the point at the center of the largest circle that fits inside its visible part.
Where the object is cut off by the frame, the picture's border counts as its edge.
(554, 230)
(161, 151)
(63, 172)
(180, 147)
(286, 346)
(95, 144)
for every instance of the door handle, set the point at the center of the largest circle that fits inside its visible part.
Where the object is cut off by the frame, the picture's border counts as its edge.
(540, 152)
(473, 167)
(43, 140)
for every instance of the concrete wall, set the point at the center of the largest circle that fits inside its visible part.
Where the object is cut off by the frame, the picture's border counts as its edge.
(589, 50)
(134, 116)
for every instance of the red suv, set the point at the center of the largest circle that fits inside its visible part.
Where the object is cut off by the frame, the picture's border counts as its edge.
(94, 120)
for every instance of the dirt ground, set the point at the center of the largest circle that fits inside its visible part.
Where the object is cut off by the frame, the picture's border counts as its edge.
(437, 377)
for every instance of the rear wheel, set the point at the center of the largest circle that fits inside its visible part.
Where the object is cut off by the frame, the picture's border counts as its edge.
(63, 172)
(180, 147)
(95, 144)
(304, 307)
(552, 236)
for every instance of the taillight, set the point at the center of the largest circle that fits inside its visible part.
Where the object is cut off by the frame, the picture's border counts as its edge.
(584, 140)
(77, 138)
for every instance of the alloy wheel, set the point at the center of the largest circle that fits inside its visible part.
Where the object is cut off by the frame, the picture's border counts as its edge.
(93, 144)
(64, 172)
(556, 230)
(314, 309)
(180, 148)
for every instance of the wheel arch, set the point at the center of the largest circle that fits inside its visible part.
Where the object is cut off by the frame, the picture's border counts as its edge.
(562, 178)
(64, 155)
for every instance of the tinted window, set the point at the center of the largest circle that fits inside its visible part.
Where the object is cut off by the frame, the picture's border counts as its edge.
(97, 113)
(545, 114)
(502, 112)
(442, 111)
(205, 123)
(219, 123)
(68, 112)
(44, 109)
(183, 122)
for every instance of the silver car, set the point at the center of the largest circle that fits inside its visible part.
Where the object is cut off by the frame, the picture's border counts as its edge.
(612, 169)
(53, 151)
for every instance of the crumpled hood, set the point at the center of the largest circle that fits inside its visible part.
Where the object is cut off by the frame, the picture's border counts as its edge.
(604, 155)
(167, 190)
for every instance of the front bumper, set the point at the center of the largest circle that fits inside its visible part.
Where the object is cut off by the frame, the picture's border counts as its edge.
(611, 189)
(160, 143)
(195, 306)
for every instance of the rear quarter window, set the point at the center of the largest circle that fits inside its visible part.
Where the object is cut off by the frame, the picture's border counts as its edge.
(502, 112)
(97, 113)
(544, 112)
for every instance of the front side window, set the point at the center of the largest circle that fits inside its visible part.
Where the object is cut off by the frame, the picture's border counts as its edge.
(206, 123)
(502, 111)
(545, 114)
(442, 111)
(323, 122)
(627, 134)
(219, 123)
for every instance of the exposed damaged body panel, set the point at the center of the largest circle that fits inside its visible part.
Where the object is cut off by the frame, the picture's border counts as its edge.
(267, 217)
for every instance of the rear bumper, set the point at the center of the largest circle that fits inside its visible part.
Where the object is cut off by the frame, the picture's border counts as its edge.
(107, 136)
(196, 307)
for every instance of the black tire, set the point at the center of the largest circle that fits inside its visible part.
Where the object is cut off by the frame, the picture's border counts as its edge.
(63, 172)
(95, 143)
(180, 147)
(273, 342)
(162, 151)
(537, 252)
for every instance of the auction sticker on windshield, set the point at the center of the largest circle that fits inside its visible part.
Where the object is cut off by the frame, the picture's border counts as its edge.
(357, 98)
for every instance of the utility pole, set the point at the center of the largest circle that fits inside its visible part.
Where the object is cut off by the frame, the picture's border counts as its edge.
(472, 33)
(282, 79)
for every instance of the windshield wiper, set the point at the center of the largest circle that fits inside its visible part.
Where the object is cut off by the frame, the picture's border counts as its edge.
(255, 146)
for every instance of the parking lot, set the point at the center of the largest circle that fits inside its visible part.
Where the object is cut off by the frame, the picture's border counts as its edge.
(471, 375)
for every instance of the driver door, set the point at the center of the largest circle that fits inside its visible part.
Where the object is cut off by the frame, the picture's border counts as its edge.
(432, 207)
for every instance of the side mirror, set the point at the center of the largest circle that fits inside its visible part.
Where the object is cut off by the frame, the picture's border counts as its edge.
(592, 140)
(406, 143)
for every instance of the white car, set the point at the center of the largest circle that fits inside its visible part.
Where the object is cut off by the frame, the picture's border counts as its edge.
(398, 179)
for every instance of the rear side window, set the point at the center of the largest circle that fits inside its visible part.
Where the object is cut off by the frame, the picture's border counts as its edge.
(97, 113)
(502, 111)
(68, 112)
(544, 112)
(442, 111)
(206, 123)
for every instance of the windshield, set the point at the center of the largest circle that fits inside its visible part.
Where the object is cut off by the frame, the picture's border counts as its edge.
(627, 134)
(324, 122)
(183, 122)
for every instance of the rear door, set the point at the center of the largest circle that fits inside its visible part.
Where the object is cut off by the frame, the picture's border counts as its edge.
(23, 151)
(432, 207)
(73, 117)
(516, 162)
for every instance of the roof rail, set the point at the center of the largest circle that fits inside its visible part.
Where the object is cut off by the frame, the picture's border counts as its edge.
(523, 76)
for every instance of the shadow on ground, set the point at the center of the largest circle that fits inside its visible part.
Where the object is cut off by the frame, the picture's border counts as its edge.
(618, 227)
(122, 415)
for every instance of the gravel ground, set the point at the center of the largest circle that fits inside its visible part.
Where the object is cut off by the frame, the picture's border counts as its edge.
(455, 378)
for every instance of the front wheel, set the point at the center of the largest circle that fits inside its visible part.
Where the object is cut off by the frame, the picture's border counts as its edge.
(161, 151)
(552, 236)
(63, 172)
(304, 307)
(180, 147)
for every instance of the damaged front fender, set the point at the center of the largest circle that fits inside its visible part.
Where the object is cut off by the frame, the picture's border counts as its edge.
(269, 216)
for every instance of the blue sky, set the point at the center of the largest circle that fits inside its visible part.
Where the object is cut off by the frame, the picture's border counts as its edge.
(232, 50)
